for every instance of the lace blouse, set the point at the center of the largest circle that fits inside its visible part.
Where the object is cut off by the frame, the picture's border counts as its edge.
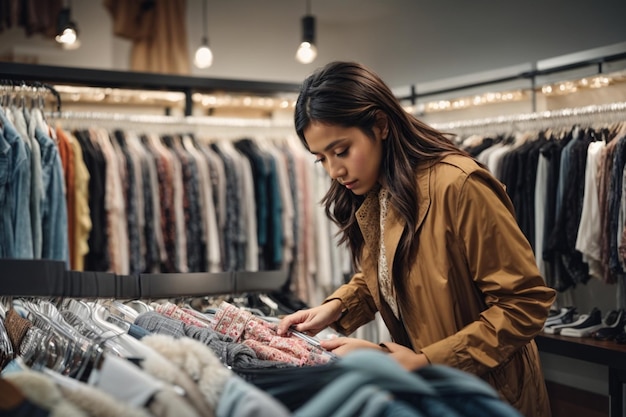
(384, 280)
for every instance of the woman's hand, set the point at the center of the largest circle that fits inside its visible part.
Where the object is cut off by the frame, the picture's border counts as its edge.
(343, 345)
(408, 359)
(313, 320)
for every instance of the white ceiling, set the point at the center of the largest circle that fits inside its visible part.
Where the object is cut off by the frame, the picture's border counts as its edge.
(408, 41)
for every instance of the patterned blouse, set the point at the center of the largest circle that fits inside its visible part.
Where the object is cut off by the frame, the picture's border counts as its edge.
(384, 280)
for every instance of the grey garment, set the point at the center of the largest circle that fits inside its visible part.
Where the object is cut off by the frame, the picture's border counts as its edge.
(233, 354)
(242, 399)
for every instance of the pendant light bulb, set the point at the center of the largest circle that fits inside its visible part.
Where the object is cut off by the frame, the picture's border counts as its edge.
(68, 36)
(306, 53)
(204, 56)
(67, 30)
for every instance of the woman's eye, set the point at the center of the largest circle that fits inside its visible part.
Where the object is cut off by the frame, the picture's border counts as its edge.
(319, 160)
(342, 153)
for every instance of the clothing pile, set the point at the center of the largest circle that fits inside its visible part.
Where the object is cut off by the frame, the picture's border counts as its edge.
(165, 360)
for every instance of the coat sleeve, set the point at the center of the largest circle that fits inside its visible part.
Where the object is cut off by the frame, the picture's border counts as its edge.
(358, 302)
(501, 263)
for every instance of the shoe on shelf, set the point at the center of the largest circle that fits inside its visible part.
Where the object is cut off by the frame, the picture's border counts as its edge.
(556, 329)
(584, 329)
(614, 323)
(566, 317)
(621, 337)
(562, 316)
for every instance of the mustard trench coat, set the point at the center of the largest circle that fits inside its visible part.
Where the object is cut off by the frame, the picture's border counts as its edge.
(474, 298)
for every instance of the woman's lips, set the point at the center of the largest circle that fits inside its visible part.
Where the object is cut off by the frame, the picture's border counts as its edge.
(349, 185)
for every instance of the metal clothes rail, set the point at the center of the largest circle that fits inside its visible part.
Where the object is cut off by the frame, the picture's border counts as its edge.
(598, 58)
(170, 120)
(140, 80)
(569, 113)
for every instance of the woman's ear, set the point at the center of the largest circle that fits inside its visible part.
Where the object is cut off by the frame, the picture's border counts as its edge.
(382, 124)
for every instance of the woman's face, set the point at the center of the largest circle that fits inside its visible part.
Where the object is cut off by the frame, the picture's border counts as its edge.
(347, 154)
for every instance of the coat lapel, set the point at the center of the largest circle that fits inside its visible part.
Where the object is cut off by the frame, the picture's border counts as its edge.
(367, 217)
(394, 225)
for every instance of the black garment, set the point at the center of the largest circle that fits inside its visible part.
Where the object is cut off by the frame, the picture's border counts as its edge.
(130, 198)
(573, 207)
(615, 190)
(97, 259)
(260, 164)
(152, 256)
(522, 185)
(484, 144)
(552, 152)
(530, 185)
(233, 246)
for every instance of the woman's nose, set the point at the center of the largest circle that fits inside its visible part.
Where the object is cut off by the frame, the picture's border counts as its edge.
(336, 170)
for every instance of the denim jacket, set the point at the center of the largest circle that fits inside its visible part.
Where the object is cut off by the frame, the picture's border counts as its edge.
(53, 207)
(15, 182)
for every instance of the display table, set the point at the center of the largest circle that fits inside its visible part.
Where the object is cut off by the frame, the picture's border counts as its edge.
(607, 353)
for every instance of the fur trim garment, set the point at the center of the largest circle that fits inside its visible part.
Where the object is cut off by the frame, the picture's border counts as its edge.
(97, 403)
(195, 359)
(40, 390)
(157, 365)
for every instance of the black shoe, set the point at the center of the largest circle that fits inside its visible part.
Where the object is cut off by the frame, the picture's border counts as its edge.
(621, 337)
(615, 322)
(592, 323)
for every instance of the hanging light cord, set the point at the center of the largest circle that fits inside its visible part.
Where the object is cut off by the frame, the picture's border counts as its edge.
(205, 31)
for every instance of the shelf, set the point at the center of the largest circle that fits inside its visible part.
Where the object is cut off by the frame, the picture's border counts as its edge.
(608, 353)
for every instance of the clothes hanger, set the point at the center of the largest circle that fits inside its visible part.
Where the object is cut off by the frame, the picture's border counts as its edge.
(79, 314)
(120, 310)
(6, 347)
(115, 339)
(49, 348)
(139, 306)
(5, 305)
(103, 316)
(60, 347)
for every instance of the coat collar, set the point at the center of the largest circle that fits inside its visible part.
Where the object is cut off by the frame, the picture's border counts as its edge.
(368, 216)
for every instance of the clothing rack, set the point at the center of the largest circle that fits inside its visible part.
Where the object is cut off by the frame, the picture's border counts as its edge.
(163, 119)
(47, 278)
(594, 58)
(563, 114)
(140, 80)
(185, 121)
(22, 87)
(203, 127)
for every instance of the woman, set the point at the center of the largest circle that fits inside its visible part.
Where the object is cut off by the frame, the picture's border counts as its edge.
(433, 235)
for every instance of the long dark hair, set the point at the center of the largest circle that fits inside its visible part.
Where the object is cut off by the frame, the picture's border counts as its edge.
(349, 94)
